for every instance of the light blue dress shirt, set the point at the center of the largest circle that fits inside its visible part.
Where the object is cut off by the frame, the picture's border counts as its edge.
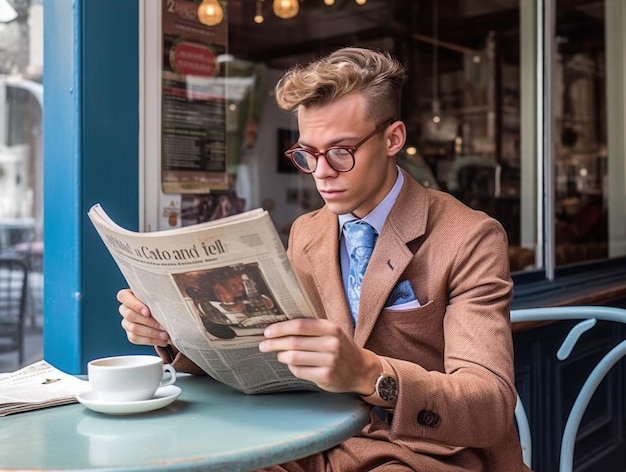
(375, 218)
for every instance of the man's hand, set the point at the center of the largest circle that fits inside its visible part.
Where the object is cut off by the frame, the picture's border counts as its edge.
(318, 350)
(140, 327)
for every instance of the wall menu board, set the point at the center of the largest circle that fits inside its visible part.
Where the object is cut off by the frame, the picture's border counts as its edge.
(193, 102)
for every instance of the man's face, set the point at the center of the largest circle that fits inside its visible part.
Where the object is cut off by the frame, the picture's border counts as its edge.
(235, 285)
(229, 290)
(343, 123)
(223, 293)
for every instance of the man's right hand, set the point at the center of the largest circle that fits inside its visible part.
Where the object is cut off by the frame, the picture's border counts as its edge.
(138, 323)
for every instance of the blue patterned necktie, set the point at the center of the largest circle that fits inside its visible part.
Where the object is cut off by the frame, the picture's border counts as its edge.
(362, 238)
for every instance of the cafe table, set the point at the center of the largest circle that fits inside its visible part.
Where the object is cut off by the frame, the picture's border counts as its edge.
(209, 427)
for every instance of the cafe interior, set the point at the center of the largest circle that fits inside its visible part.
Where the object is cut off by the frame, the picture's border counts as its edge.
(515, 107)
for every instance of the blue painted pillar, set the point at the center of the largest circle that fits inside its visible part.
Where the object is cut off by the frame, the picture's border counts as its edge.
(91, 125)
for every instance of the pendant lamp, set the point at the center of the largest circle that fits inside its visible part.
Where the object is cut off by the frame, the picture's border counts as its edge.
(286, 8)
(210, 12)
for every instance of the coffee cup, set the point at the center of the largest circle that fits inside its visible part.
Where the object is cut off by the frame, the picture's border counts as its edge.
(128, 378)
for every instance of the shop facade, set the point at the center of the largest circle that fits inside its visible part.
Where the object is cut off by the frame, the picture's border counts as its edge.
(517, 107)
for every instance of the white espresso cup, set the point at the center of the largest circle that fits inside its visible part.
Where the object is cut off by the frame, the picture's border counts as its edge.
(128, 378)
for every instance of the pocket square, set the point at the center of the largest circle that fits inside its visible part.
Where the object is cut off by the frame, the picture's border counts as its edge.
(401, 293)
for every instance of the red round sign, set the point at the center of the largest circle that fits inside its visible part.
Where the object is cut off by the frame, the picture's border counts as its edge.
(189, 58)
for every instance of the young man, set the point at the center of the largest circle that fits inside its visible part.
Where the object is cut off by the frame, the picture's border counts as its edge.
(429, 342)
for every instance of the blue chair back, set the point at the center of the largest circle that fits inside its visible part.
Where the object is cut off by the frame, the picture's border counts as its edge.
(587, 317)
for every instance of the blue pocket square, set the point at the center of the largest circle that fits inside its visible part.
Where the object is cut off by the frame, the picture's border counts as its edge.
(402, 293)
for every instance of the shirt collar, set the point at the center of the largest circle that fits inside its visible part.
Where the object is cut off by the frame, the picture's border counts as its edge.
(378, 215)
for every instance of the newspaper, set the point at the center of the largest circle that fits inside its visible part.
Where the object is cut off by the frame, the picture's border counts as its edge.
(38, 385)
(214, 287)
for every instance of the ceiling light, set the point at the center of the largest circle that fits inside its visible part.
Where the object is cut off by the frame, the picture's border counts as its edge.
(286, 8)
(210, 12)
(258, 17)
(360, 2)
(329, 2)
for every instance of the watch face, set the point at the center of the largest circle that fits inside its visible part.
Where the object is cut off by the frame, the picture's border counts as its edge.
(387, 388)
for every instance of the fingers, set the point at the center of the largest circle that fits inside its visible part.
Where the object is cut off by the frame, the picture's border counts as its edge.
(298, 343)
(142, 330)
(302, 327)
(301, 334)
(319, 350)
(128, 298)
(139, 325)
(304, 358)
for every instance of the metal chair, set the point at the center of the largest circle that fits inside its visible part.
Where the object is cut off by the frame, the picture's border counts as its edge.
(588, 316)
(13, 305)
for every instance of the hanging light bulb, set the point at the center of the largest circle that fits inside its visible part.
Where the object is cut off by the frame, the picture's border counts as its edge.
(329, 2)
(258, 17)
(360, 2)
(210, 12)
(286, 8)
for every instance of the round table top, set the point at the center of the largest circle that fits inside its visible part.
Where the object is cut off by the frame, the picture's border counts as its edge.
(210, 426)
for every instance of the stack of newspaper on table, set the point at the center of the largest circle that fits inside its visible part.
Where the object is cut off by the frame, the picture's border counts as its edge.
(39, 385)
(215, 287)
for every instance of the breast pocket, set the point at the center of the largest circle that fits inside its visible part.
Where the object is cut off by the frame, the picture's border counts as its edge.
(414, 334)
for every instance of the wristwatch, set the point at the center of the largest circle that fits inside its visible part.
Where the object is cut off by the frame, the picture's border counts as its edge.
(385, 391)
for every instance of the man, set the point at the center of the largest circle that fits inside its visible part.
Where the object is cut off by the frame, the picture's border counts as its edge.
(429, 344)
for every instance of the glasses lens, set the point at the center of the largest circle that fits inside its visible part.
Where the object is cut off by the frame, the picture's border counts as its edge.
(340, 159)
(305, 161)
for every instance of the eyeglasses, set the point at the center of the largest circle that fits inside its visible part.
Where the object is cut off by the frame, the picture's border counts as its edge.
(340, 158)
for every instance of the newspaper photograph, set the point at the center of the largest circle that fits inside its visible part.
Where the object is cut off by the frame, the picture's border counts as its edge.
(214, 287)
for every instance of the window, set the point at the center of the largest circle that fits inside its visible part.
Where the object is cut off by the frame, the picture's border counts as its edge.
(21, 159)
(483, 124)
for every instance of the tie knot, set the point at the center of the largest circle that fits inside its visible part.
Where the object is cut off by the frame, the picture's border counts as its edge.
(360, 234)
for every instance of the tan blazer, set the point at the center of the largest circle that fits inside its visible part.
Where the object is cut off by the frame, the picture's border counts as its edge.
(453, 356)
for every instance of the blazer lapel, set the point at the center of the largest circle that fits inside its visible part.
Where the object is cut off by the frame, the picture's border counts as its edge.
(391, 256)
(406, 222)
(322, 250)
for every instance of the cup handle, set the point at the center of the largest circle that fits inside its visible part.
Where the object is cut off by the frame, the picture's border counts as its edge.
(172, 379)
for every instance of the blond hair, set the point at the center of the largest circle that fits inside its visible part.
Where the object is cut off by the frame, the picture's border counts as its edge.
(374, 74)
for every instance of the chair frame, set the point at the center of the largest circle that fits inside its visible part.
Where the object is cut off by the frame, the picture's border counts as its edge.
(589, 316)
(11, 264)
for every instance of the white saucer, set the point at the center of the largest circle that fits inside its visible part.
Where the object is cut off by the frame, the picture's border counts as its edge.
(163, 397)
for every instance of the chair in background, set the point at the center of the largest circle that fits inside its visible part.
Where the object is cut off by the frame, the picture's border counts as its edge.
(19, 239)
(475, 180)
(13, 305)
(587, 317)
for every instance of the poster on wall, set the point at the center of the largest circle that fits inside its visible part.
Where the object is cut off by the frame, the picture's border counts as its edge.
(193, 102)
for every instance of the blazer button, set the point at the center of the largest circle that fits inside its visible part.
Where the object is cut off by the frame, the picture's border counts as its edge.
(428, 418)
